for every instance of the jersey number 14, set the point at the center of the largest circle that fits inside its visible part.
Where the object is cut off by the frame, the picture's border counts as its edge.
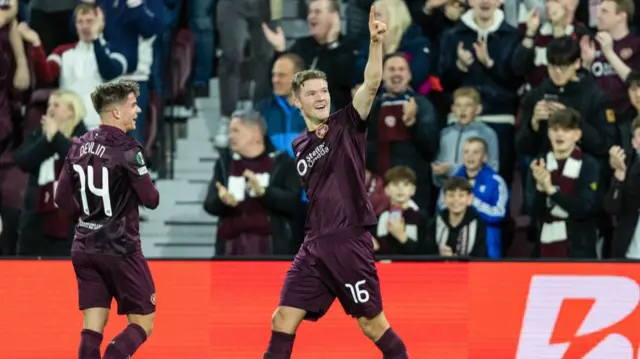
(103, 192)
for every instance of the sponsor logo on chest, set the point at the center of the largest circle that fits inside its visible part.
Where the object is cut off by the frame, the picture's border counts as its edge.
(306, 162)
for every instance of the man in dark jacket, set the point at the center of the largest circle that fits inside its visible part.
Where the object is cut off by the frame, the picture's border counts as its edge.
(403, 129)
(255, 192)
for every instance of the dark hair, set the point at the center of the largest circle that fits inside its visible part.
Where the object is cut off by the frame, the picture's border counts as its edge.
(479, 140)
(567, 118)
(633, 79)
(457, 184)
(394, 55)
(112, 92)
(400, 173)
(296, 60)
(301, 77)
(563, 51)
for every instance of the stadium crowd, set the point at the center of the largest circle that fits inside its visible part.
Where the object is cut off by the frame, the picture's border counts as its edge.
(500, 130)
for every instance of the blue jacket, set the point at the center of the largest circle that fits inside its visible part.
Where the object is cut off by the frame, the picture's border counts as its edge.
(284, 122)
(416, 48)
(125, 22)
(490, 199)
(497, 86)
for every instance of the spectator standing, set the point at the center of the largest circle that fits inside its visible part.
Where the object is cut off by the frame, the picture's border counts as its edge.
(284, 121)
(403, 128)
(567, 181)
(50, 19)
(201, 23)
(530, 58)
(255, 193)
(79, 67)
(240, 21)
(490, 192)
(46, 230)
(477, 53)
(457, 231)
(466, 107)
(611, 57)
(325, 49)
(402, 225)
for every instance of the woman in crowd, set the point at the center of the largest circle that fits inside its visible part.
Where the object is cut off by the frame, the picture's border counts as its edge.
(402, 36)
(44, 229)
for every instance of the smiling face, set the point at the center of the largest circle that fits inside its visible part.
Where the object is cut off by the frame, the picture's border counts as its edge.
(313, 99)
(396, 75)
(320, 18)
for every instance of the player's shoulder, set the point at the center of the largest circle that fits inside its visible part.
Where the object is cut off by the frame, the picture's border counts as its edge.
(299, 141)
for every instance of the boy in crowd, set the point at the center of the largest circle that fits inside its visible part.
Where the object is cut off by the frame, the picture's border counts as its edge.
(566, 201)
(466, 107)
(490, 192)
(458, 230)
(401, 227)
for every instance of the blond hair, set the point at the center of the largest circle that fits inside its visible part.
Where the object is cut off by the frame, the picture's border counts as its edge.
(301, 77)
(76, 105)
(468, 92)
(399, 21)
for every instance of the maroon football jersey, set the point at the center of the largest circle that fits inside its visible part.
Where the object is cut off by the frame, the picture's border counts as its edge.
(331, 164)
(628, 49)
(105, 179)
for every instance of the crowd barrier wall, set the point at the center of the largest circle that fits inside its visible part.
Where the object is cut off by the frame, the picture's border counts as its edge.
(444, 310)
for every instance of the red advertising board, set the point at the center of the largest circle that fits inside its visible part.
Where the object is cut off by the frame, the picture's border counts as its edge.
(442, 310)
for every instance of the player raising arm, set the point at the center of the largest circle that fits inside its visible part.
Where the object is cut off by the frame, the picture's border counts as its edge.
(336, 259)
(104, 180)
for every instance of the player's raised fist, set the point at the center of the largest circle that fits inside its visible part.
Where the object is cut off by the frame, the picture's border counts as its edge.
(376, 28)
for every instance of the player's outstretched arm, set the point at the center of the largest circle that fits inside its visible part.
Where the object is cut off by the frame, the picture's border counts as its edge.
(364, 96)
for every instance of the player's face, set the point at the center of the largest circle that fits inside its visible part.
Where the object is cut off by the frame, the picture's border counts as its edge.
(457, 201)
(465, 109)
(396, 75)
(314, 100)
(563, 140)
(400, 192)
(129, 112)
(473, 155)
(84, 25)
(59, 110)
(281, 75)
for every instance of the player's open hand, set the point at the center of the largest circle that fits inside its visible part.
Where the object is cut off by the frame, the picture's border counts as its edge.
(224, 195)
(376, 28)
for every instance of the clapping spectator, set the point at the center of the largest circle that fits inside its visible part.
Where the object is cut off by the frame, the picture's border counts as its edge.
(46, 230)
(566, 88)
(490, 192)
(325, 49)
(611, 57)
(255, 192)
(457, 231)
(284, 120)
(530, 58)
(477, 53)
(402, 128)
(81, 66)
(8, 13)
(402, 225)
(239, 21)
(567, 181)
(401, 37)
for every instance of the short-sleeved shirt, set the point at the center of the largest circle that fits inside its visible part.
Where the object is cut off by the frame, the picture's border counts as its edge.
(103, 164)
(331, 165)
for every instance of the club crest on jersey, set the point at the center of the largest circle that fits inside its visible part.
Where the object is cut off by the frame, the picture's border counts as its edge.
(153, 299)
(322, 130)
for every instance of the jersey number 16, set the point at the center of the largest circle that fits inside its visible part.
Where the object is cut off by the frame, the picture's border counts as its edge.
(98, 192)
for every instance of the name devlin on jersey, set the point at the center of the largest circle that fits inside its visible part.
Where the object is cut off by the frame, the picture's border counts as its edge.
(310, 159)
(93, 149)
